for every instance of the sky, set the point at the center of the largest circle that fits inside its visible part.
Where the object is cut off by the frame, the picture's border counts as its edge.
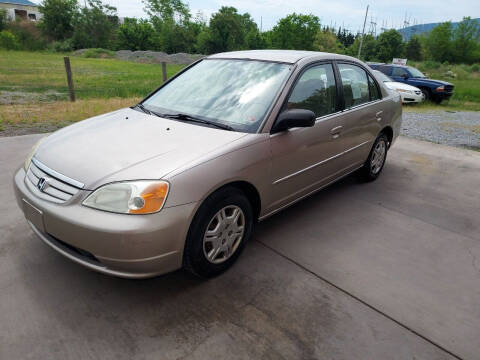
(346, 13)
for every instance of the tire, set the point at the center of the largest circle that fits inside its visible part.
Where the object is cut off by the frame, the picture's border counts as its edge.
(208, 255)
(437, 100)
(372, 168)
(426, 94)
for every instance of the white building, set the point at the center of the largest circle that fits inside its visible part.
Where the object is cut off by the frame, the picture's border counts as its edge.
(21, 9)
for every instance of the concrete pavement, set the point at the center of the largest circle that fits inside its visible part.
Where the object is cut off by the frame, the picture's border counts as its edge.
(387, 270)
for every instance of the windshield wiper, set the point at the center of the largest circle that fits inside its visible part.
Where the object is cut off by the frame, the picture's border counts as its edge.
(190, 118)
(143, 108)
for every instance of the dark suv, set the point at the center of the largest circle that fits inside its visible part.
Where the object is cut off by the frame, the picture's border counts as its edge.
(435, 90)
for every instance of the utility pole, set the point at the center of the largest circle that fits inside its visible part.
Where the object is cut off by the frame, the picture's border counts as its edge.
(363, 34)
(384, 26)
(373, 26)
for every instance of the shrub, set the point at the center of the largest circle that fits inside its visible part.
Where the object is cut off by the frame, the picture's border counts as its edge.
(61, 46)
(98, 53)
(475, 68)
(3, 19)
(28, 34)
(8, 40)
(429, 64)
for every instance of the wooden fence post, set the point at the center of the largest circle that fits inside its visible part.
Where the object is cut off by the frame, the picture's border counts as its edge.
(164, 71)
(68, 69)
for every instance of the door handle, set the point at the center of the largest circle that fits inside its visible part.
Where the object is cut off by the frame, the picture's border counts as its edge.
(336, 131)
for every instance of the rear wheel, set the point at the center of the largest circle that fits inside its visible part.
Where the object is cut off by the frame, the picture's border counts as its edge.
(376, 160)
(218, 233)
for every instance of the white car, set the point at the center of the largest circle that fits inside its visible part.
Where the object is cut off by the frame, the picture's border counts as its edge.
(408, 93)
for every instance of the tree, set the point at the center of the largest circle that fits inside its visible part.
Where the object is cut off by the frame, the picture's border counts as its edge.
(3, 19)
(369, 48)
(167, 10)
(327, 41)
(413, 49)
(230, 31)
(345, 37)
(171, 19)
(390, 45)
(57, 18)
(465, 41)
(135, 35)
(295, 31)
(94, 26)
(438, 43)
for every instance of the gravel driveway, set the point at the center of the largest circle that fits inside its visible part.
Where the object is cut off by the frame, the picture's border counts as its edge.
(460, 128)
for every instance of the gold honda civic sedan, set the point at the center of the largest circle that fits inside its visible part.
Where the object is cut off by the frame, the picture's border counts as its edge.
(180, 179)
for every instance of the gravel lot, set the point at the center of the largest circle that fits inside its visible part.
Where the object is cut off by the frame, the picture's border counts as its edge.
(461, 128)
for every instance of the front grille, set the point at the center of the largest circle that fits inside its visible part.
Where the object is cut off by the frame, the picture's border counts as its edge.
(58, 188)
(449, 88)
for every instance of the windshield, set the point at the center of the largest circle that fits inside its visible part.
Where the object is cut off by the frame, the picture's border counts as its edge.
(382, 76)
(237, 93)
(415, 73)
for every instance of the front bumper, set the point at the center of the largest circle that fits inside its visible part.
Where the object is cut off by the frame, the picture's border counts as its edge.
(412, 97)
(444, 95)
(130, 246)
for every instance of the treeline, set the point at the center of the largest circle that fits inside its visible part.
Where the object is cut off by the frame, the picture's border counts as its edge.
(170, 27)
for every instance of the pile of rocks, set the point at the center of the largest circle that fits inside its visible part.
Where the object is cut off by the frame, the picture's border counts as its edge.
(151, 57)
(157, 57)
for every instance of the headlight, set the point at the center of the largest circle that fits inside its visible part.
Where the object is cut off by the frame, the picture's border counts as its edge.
(28, 160)
(440, 88)
(130, 197)
(405, 91)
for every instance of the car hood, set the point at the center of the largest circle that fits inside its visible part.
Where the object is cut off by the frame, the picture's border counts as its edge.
(128, 145)
(425, 81)
(398, 85)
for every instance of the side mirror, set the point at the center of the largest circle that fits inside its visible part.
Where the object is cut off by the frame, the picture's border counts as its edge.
(293, 118)
(405, 76)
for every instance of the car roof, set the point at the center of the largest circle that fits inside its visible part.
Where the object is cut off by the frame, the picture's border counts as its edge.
(283, 56)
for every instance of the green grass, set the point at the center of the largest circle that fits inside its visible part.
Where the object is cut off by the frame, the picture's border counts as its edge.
(36, 72)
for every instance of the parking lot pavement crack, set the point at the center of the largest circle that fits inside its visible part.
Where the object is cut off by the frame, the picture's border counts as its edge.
(355, 297)
(474, 260)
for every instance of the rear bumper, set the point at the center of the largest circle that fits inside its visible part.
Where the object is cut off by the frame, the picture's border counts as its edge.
(129, 246)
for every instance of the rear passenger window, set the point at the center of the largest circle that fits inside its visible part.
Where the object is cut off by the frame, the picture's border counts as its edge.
(355, 85)
(315, 91)
(374, 91)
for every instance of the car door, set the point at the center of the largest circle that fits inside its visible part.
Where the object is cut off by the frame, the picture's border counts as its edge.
(362, 116)
(305, 158)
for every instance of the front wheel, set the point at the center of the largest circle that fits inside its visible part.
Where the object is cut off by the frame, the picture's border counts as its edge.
(426, 94)
(218, 233)
(376, 159)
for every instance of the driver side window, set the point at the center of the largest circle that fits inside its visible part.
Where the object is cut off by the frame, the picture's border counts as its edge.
(398, 71)
(315, 90)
